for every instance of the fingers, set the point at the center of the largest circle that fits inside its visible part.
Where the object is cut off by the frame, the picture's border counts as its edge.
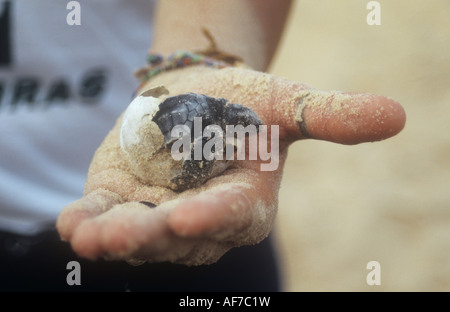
(241, 212)
(221, 216)
(134, 231)
(121, 232)
(87, 207)
(222, 212)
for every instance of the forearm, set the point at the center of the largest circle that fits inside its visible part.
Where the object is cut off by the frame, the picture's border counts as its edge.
(250, 29)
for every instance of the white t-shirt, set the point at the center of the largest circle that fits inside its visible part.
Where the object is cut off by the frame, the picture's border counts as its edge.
(61, 89)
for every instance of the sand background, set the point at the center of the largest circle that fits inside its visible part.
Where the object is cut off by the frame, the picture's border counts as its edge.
(343, 206)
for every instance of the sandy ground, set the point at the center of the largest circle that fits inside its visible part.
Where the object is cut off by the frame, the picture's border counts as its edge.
(343, 206)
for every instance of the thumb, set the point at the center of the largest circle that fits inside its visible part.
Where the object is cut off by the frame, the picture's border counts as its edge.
(304, 112)
(348, 118)
(340, 117)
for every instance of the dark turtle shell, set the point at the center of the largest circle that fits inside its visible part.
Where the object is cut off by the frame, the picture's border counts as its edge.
(181, 110)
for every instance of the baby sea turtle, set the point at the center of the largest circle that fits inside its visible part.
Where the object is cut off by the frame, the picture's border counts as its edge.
(147, 136)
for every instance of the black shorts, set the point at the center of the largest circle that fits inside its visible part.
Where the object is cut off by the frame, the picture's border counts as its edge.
(39, 263)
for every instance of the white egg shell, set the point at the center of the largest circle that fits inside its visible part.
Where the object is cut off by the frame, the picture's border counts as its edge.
(143, 143)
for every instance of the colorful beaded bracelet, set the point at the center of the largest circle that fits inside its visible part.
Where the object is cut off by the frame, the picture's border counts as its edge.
(211, 57)
(179, 59)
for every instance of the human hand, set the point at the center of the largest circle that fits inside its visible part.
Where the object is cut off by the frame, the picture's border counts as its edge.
(197, 226)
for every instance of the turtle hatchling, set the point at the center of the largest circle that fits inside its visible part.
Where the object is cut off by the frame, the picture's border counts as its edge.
(147, 136)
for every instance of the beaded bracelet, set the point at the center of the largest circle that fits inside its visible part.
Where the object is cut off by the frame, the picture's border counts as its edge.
(211, 57)
(178, 59)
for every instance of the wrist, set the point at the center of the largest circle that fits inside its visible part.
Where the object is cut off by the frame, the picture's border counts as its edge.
(157, 63)
(209, 57)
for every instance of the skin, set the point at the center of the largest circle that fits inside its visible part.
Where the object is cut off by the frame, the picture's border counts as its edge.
(239, 207)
